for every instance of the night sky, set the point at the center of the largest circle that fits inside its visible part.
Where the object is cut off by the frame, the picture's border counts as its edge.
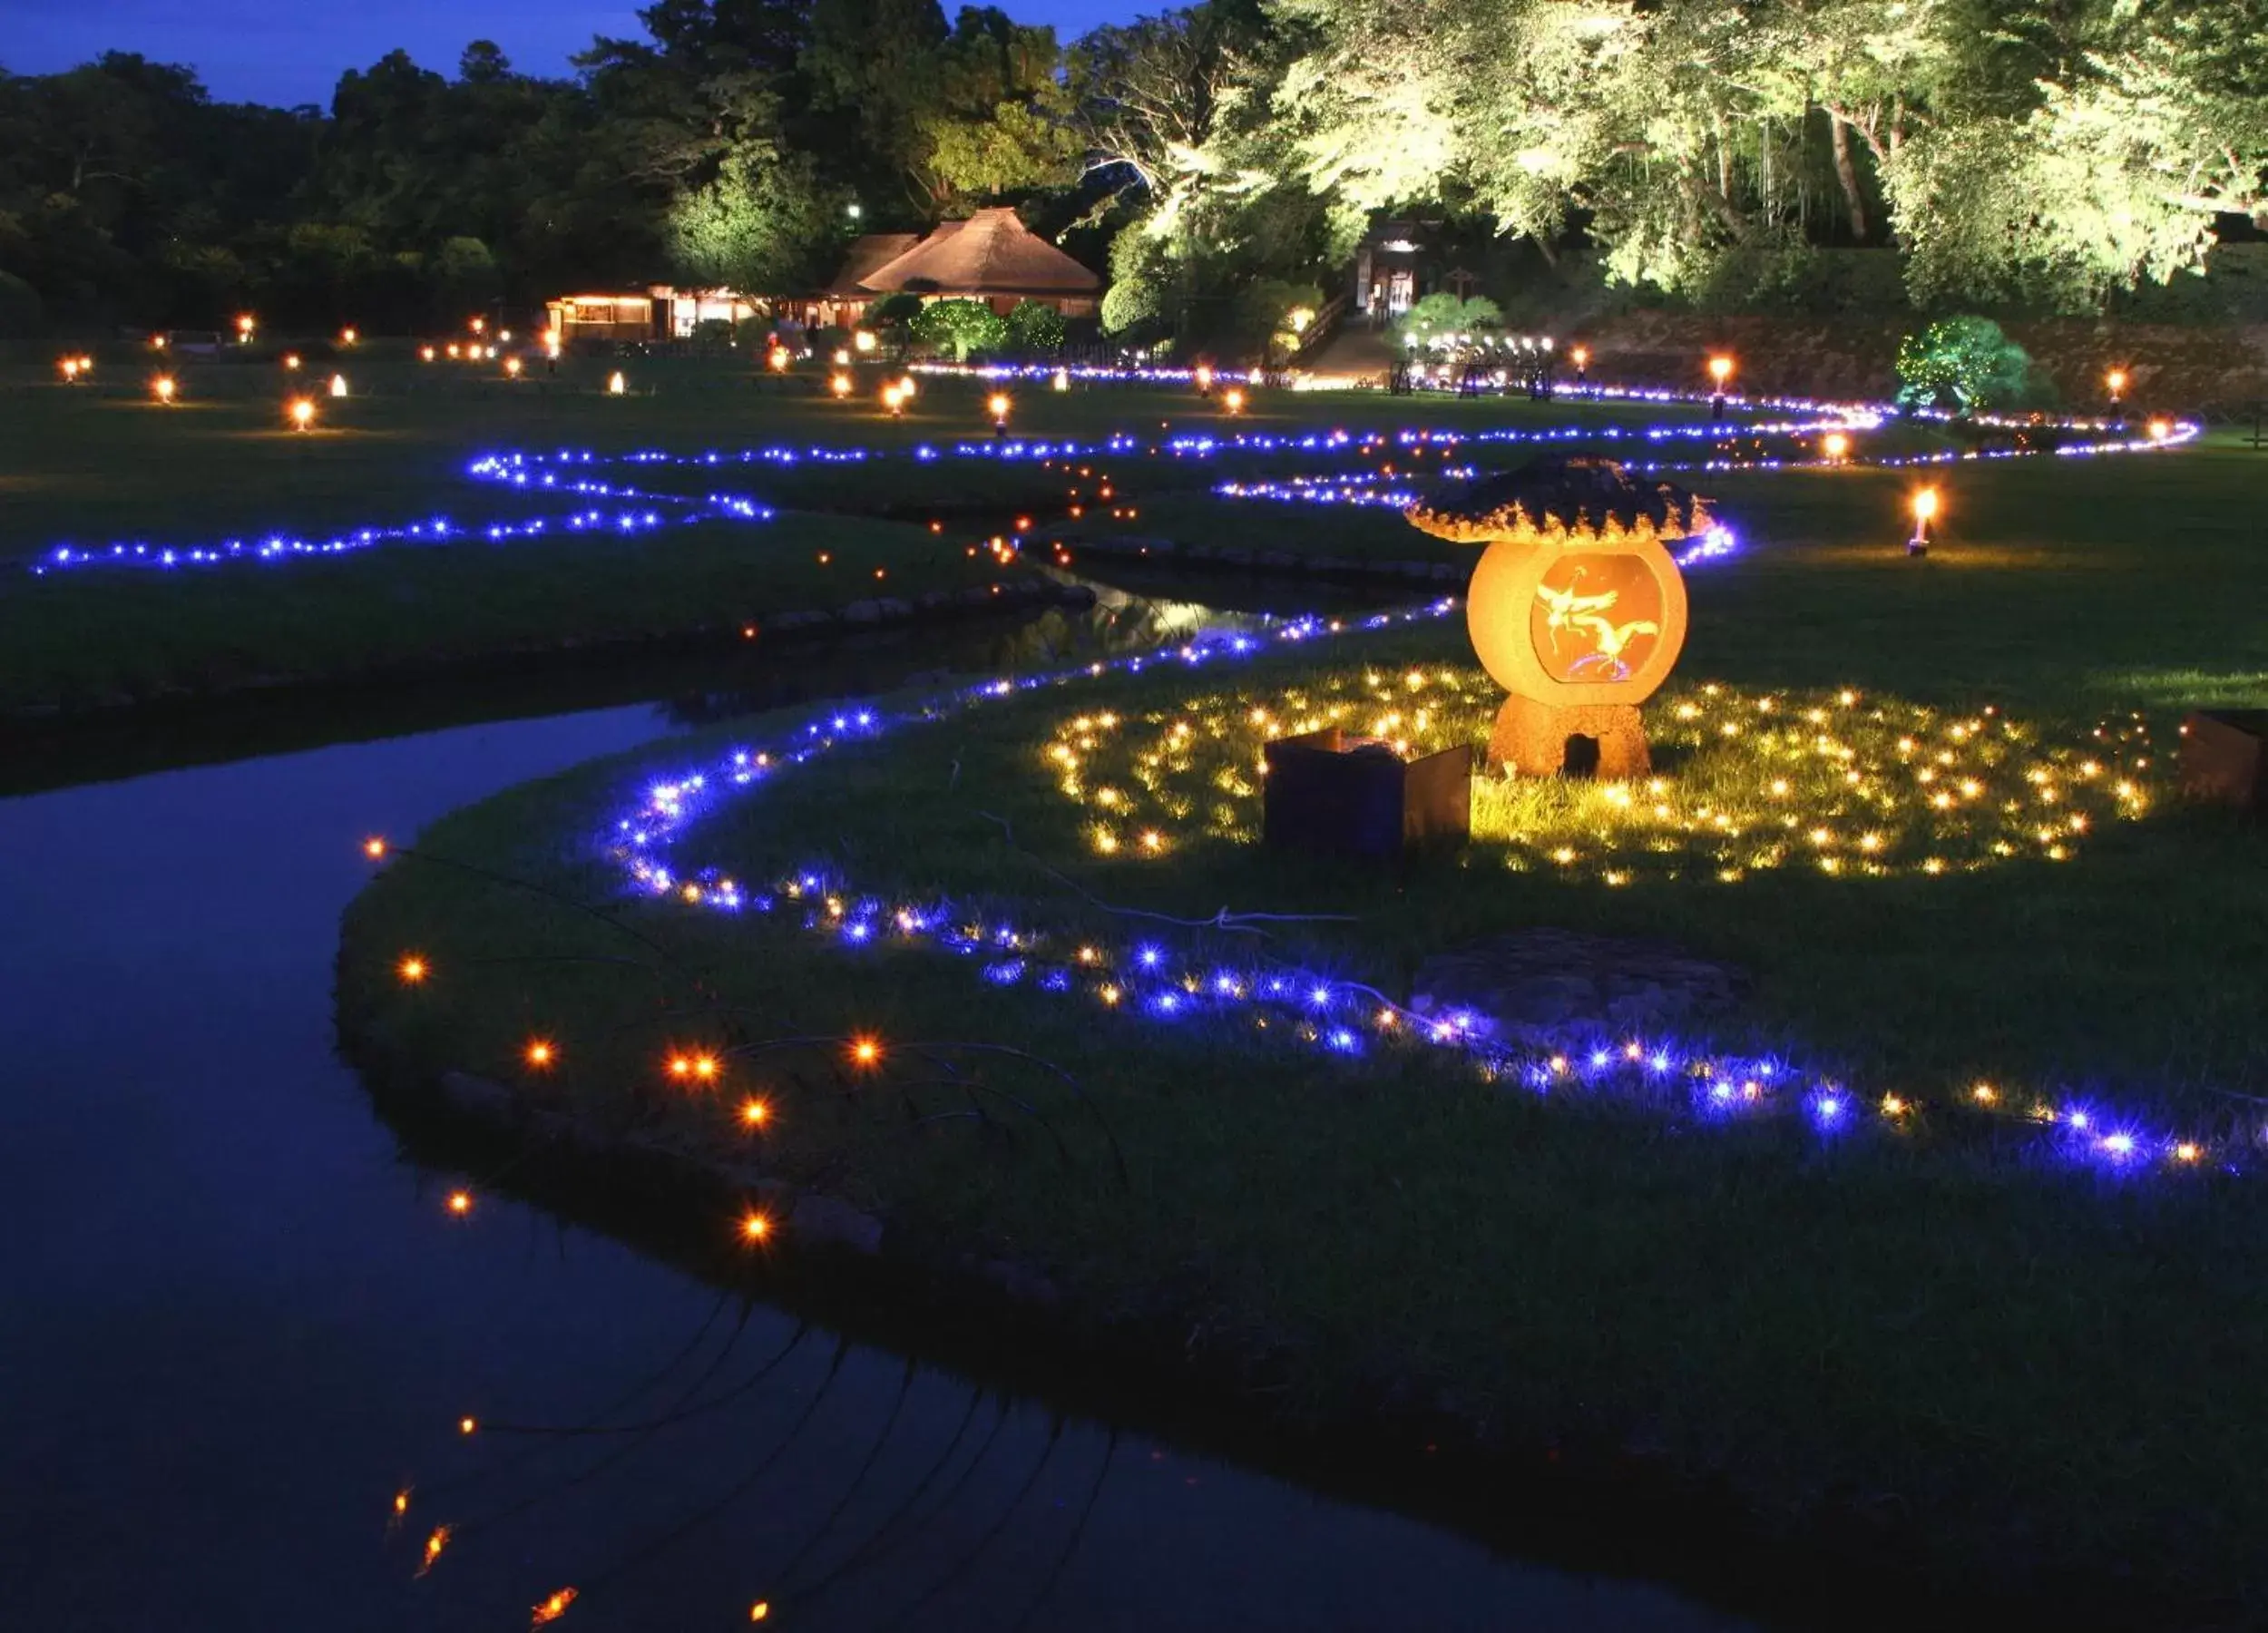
(293, 51)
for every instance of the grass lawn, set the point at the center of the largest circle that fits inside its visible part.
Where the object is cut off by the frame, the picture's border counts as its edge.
(2026, 1369)
(95, 464)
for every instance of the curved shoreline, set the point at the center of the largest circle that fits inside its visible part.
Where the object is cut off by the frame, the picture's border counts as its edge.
(1570, 1498)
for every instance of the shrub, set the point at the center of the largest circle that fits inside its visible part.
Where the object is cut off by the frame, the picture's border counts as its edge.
(1966, 362)
(1035, 329)
(961, 328)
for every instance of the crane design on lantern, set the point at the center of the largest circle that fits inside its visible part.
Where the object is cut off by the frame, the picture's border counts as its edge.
(1577, 607)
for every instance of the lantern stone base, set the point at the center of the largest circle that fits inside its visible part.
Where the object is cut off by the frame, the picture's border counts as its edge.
(1533, 738)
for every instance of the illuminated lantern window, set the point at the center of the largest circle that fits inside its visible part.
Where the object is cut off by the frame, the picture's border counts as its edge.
(1575, 608)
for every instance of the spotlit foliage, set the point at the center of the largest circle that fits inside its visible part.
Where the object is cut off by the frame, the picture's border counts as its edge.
(1962, 363)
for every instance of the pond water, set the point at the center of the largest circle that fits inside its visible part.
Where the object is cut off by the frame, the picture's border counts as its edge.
(238, 1320)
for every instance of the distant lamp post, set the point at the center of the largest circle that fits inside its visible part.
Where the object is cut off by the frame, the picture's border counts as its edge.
(997, 406)
(854, 211)
(302, 413)
(425, 352)
(1204, 377)
(338, 386)
(776, 359)
(864, 340)
(70, 367)
(479, 325)
(1720, 372)
(291, 361)
(350, 334)
(840, 384)
(2161, 430)
(246, 323)
(1581, 357)
(1836, 446)
(163, 388)
(157, 343)
(2116, 381)
(512, 369)
(1233, 400)
(893, 398)
(1925, 508)
(616, 384)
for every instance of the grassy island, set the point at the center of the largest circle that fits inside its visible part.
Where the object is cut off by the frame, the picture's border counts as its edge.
(1981, 1268)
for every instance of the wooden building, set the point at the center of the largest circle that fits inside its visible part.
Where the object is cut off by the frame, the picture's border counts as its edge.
(992, 256)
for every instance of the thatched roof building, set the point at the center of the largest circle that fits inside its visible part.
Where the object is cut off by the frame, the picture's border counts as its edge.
(992, 256)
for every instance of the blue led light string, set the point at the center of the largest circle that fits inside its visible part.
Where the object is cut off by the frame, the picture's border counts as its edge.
(1313, 1009)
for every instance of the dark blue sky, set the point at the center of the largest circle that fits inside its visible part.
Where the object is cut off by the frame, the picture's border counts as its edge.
(293, 51)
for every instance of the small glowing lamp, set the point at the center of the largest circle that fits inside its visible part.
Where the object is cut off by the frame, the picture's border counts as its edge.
(1720, 369)
(291, 360)
(615, 385)
(302, 413)
(511, 368)
(425, 352)
(70, 367)
(479, 325)
(841, 358)
(1925, 509)
(1580, 357)
(460, 1203)
(350, 334)
(840, 384)
(2161, 430)
(1061, 380)
(2117, 382)
(1835, 444)
(338, 386)
(755, 1228)
(157, 342)
(162, 388)
(245, 323)
(1233, 400)
(1204, 377)
(776, 359)
(864, 340)
(997, 406)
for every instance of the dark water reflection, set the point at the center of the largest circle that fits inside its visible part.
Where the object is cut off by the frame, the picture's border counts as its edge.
(236, 1321)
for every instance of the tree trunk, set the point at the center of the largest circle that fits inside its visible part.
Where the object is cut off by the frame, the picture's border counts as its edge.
(1847, 172)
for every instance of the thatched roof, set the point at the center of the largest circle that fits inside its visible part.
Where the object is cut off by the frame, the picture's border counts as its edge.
(991, 253)
(869, 255)
(1558, 497)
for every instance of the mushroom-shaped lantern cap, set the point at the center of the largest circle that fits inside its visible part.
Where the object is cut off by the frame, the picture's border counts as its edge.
(1556, 498)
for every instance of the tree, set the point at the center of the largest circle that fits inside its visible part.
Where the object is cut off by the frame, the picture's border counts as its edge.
(760, 228)
(1035, 329)
(961, 328)
(1967, 363)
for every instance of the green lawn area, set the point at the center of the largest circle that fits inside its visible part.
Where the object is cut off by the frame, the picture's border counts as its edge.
(101, 462)
(2027, 1366)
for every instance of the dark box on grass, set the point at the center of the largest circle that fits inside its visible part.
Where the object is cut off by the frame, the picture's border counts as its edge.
(1356, 797)
(2224, 757)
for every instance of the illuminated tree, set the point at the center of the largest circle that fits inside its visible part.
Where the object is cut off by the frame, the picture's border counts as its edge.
(1964, 363)
(961, 328)
(1035, 328)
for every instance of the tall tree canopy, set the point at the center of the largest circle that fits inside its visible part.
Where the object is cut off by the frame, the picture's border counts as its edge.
(2041, 153)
